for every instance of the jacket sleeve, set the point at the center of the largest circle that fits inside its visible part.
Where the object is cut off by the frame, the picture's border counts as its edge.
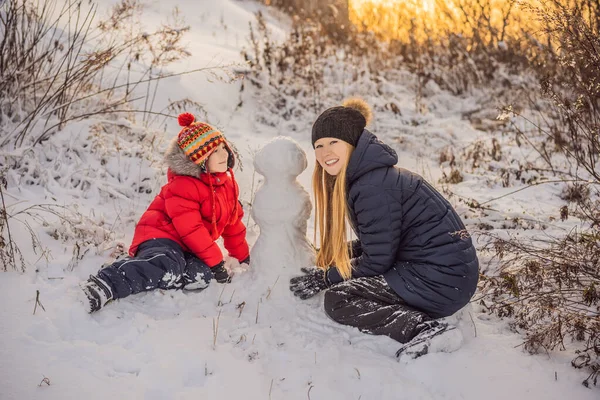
(379, 219)
(234, 237)
(355, 248)
(182, 205)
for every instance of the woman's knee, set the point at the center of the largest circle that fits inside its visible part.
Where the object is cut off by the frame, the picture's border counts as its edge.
(333, 302)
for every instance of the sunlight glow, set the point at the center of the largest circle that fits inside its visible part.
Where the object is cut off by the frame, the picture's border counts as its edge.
(420, 20)
(387, 18)
(419, 5)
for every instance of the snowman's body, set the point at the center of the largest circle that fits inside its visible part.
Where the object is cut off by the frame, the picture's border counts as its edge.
(281, 208)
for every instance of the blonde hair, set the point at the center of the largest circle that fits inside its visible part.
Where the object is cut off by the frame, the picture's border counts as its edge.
(331, 214)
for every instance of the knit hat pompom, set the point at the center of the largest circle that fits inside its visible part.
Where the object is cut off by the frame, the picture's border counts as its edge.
(186, 119)
(361, 106)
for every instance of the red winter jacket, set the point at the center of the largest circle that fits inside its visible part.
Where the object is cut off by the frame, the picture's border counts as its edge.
(194, 209)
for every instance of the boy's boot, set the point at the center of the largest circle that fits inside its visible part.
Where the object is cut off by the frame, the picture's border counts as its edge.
(98, 293)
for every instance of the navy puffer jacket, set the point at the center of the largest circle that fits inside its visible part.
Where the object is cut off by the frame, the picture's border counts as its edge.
(408, 233)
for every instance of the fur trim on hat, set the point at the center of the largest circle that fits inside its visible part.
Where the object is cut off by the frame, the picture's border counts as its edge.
(179, 163)
(361, 106)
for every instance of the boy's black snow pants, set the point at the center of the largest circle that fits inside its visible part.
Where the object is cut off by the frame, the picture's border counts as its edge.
(158, 263)
(370, 305)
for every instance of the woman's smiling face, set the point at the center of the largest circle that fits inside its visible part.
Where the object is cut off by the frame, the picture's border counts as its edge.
(332, 154)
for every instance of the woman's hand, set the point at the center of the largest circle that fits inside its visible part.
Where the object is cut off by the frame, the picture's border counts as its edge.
(312, 282)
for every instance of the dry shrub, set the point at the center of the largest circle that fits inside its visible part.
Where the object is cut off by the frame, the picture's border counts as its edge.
(551, 290)
(576, 193)
(453, 177)
(54, 59)
(551, 286)
(290, 72)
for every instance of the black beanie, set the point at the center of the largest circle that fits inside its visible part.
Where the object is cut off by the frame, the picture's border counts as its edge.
(345, 122)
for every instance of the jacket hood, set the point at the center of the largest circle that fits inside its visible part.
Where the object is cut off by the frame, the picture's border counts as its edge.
(370, 153)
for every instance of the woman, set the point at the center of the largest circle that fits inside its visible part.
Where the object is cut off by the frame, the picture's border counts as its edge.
(413, 261)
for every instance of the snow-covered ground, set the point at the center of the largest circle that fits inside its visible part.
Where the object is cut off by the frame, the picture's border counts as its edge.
(252, 339)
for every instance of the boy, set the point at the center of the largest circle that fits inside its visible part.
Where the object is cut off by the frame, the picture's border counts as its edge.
(174, 241)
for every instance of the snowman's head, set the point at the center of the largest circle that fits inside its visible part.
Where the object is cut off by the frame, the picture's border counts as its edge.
(281, 156)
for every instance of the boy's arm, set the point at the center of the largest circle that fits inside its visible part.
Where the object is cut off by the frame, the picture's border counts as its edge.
(234, 237)
(183, 207)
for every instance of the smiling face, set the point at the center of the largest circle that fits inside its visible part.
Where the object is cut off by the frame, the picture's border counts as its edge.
(217, 161)
(332, 154)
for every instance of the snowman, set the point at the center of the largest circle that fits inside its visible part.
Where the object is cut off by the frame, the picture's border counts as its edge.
(281, 208)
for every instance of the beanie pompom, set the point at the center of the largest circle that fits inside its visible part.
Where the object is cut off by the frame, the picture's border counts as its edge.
(359, 105)
(185, 119)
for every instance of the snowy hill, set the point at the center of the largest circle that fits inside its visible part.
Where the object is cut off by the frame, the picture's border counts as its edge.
(251, 338)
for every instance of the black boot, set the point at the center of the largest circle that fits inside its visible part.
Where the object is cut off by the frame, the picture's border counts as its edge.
(421, 343)
(98, 293)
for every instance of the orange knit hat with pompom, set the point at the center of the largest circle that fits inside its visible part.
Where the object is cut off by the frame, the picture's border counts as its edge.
(198, 139)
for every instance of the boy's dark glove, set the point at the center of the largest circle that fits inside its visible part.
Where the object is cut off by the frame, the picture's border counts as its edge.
(308, 285)
(220, 273)
(245, 260)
